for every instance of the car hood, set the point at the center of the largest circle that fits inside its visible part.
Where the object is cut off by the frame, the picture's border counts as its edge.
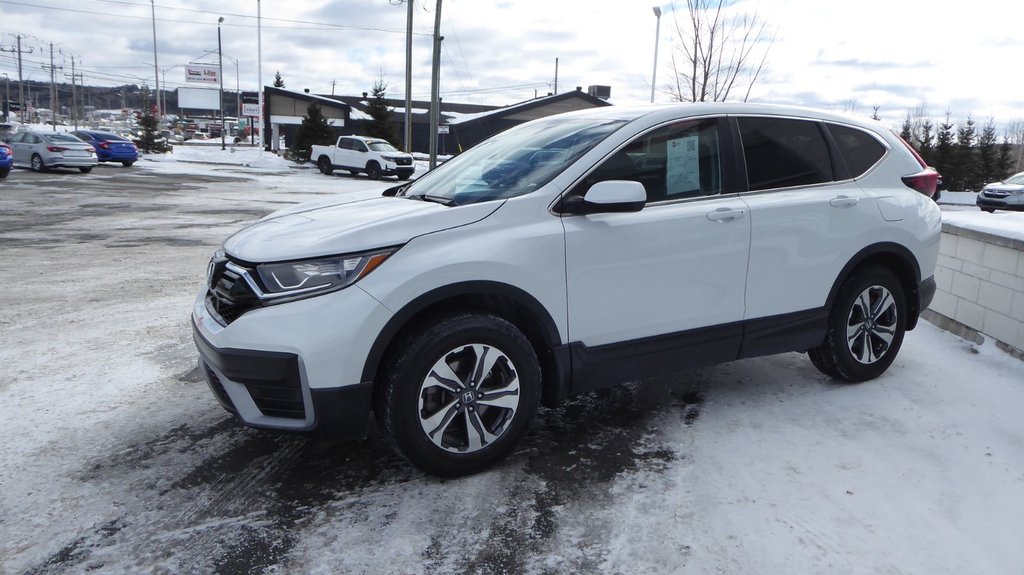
(1004, 188)
(347, 226)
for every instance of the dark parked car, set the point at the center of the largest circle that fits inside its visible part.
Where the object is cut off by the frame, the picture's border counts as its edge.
(110, 147)
(1005, 195)
(6, 160)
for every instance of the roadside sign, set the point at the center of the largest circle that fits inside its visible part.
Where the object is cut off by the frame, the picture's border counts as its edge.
(442, 129)
(250, 109)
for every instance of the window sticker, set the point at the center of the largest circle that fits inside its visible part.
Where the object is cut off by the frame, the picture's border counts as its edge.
(682, 172)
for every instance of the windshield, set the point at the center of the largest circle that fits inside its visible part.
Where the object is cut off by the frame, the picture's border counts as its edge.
(381, 146)
(1015, 179)
(515, 162)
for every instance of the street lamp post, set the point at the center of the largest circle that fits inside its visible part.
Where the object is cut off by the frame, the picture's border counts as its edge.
(657, 36)
(259, 67)
(220, 73)
(7, 98)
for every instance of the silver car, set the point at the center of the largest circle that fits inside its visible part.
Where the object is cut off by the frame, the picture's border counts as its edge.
(45, 150)
(1005, 195)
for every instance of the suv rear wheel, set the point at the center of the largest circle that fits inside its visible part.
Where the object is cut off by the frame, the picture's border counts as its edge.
(865, 327)
(460, 393)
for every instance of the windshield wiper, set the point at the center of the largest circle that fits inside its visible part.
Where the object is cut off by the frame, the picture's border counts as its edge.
(447, 202)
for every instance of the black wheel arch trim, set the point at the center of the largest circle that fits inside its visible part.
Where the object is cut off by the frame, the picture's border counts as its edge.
(469, 288)
(913, 288)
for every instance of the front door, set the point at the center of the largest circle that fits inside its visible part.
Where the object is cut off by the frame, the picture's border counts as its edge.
(670, 278)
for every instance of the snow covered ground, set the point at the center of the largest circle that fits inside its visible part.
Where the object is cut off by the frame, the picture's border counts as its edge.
(117, 458)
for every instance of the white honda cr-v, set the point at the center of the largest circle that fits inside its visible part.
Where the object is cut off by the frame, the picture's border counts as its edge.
(567, 254)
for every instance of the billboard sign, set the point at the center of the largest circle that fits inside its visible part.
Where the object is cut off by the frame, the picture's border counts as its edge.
(201, 74)
(199, 98)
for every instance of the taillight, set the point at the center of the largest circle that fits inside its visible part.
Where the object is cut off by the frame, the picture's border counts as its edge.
(56, 149)
(90, 149)
(926, 181)
(105, 145)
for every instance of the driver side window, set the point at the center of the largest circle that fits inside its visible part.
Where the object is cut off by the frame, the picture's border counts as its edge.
(674, 162)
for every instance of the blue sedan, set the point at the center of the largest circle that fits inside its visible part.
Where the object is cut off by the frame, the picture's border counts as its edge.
(6, 160)
(110, 147)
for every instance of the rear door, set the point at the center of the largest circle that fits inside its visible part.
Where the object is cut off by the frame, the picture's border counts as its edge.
(808, 218)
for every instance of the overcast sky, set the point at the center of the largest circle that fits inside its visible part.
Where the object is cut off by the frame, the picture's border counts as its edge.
(961, 56)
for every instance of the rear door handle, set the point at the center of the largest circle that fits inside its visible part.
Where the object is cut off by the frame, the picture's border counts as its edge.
(726, 214)
(843, 201)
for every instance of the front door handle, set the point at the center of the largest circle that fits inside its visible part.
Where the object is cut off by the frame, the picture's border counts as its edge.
(844, 201)
(726, 214)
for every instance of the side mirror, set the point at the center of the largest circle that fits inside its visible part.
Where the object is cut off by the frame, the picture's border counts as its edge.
(613, 196)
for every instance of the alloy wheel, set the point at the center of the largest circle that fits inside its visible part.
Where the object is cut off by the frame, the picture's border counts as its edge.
(469, 398)
(871, 325)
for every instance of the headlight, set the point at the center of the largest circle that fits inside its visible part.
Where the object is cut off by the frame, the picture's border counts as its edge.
(320, 275)
(389, 158)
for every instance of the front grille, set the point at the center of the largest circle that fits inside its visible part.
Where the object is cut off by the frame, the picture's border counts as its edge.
(278, 399)
(229, 296)
(404, 161)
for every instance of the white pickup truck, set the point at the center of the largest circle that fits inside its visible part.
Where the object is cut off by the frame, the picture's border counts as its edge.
(358, 154)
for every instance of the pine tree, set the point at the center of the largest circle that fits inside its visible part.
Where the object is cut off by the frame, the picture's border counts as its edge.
(149, 141)
(278, 80)
(907, 130)
(314, 130)
(987, 170)
(927, 149)
(964, 166)
(944, 150)
(381, 126)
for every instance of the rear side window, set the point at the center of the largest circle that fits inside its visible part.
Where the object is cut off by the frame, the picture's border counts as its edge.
(858, 148)
(782, 153)
(345, 144)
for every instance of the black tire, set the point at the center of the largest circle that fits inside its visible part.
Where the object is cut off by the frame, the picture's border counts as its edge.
(37, 163)
(85, 170)
(324, 163)
(988, 210)
(404, 176)
(469, 433)
(127, 164)
(373, 170)
(871, 307)
(3, 173)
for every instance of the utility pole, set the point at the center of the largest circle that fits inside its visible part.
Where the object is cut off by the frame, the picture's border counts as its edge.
(556, 76)
(259, 70)
(333, 82)
(156, 66)
(408, 78)
(220, 73)
(21, 82)
(435, 87)
(54, 104)
(74, 95)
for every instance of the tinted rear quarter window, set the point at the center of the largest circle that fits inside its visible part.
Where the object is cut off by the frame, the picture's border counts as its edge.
(859, 149)
(782, 153)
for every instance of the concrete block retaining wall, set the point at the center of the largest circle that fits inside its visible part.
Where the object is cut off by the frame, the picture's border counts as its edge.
(980, 279)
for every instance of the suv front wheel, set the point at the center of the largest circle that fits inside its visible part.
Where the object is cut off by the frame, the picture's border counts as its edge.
(459, 394)
(865, 327)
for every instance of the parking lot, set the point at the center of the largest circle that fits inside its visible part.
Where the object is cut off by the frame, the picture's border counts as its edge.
(117, 458)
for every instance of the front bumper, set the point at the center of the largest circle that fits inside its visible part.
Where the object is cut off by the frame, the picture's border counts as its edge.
(1010, 202)
(293, 366)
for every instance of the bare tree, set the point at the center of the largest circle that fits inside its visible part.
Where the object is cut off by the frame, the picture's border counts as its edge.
(719, 53)
(1014, 135)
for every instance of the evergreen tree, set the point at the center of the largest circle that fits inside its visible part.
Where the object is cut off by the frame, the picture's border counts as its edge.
(278, 80)
(150, 142)
(944, 151)
(987, 152)
(314, 130)
(927, 148)
(964, 166)
(381, 126)
(907, 131)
